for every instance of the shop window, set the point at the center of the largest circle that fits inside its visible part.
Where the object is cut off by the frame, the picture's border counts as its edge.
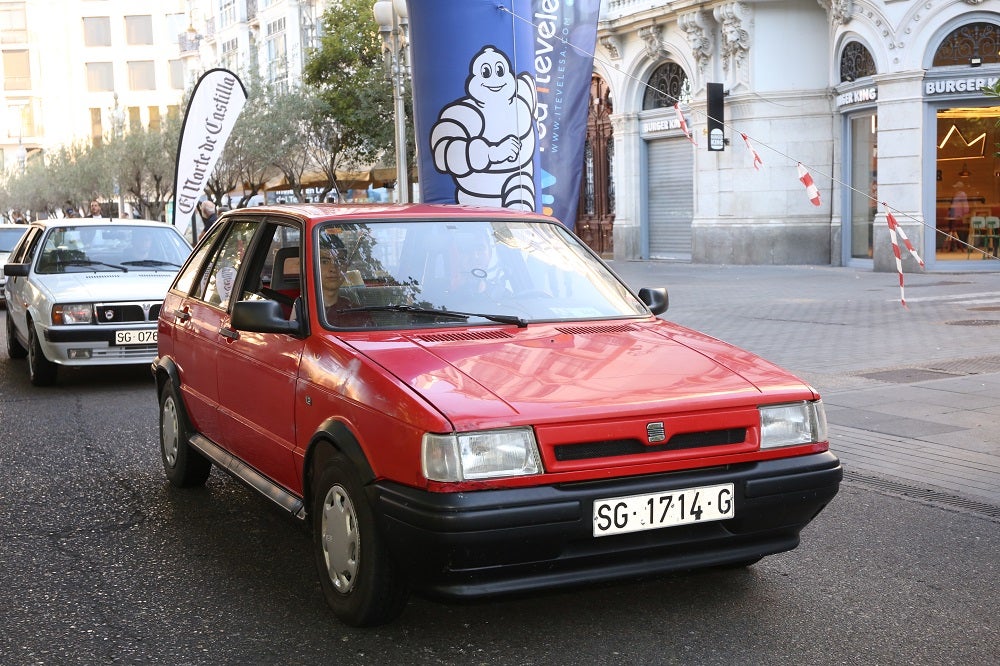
(856, 62)
(667, 86)
(864, 183)
(972, 44)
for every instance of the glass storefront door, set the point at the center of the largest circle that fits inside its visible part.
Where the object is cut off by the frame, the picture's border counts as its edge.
(968, 183)
(864, 194)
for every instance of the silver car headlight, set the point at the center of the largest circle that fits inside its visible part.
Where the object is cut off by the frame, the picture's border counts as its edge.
(487, 454)
(72, 313)
(792, 424)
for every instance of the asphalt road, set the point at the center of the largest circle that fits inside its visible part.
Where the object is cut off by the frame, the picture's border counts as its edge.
(103, 562)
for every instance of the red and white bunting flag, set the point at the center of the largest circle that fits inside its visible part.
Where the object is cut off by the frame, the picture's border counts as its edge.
(811, 190)
(894, 228)
(684, 125)
(757, 162)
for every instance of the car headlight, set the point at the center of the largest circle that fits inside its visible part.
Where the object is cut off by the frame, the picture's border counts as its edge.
(792, 424)
(72, 313)
(485, 454)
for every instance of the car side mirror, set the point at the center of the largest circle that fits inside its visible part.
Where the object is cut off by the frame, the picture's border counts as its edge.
(655, 299)
(263, 317)
(15, 270)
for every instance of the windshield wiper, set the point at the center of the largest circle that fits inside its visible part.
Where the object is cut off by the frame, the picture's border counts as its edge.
(454, 314)
(150, 262)
(87, 262)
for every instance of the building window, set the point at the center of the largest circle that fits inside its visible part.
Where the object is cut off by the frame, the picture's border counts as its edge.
(667, 86)
(227, 13)
(154, 119)
(97, 31)
(134, 118)
(141, 75)
(20, 122)
(96, 127)
(139, 30)
(173, 112)
(277, 60)
(100, 77)
(856, 62)
(16, 71)
(975, 43)
(230, 52)
(176, 68)
(13, 28)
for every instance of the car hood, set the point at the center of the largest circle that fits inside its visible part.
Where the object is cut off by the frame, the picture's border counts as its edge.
(106, 286)
(482, 377)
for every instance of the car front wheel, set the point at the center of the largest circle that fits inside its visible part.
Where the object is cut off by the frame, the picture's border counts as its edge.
(41, 370)
(361, 583)
(184, 465)
(14, 347)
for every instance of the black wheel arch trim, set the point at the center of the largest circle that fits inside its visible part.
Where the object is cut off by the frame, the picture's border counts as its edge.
(337, 435)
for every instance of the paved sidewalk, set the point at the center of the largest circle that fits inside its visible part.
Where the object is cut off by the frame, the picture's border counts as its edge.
(912, 394)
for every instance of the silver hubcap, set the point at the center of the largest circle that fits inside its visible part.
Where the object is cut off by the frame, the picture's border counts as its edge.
(168, 431)
(341, 541)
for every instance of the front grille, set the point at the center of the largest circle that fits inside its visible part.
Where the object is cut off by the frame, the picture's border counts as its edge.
(628, 447)
(125, 313)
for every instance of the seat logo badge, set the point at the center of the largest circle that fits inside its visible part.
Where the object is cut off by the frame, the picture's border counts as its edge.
(655, 432)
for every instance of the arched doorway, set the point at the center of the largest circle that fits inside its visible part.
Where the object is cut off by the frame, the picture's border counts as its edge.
(595, 216)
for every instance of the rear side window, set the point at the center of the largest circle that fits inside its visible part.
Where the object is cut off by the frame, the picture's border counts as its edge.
(224, 264)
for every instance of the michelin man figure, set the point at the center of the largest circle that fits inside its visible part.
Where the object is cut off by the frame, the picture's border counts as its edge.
(486, 140)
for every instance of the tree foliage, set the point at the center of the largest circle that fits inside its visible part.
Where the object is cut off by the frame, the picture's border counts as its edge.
(348, 73)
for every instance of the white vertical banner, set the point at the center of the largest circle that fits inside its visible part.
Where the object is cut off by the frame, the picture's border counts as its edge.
(216, 103)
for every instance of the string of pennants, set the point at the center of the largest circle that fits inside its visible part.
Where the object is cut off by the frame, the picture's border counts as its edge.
(805, 177)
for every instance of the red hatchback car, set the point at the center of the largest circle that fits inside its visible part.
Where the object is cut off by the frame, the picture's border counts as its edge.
(467, 402)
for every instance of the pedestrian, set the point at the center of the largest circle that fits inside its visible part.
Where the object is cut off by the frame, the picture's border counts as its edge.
(18, 217)
(95, 209)
(206, 209)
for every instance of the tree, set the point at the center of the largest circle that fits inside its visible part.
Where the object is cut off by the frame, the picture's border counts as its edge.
(347, 71)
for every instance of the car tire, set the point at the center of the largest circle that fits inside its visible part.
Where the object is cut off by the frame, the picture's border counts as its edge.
(15, 349)
(41, 371)
(184, 466)
(361, 583)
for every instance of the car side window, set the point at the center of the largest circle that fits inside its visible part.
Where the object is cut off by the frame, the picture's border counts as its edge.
(275, 271)
(188, 277)
(25, 250)
(225, 263)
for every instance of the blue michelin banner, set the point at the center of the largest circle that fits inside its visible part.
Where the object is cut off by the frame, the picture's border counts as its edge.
(564, 42)
(474, 102)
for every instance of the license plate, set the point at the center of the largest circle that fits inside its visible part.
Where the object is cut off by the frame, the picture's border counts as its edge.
(135, 337)
(635, 513)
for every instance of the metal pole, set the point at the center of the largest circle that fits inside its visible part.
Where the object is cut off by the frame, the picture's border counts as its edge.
(398, 88)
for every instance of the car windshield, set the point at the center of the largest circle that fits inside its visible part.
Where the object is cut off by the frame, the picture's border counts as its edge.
(118, 247)
(9, 238)
(412, 274)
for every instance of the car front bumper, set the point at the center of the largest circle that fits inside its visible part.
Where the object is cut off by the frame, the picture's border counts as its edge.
(474, 544)
(95, 345)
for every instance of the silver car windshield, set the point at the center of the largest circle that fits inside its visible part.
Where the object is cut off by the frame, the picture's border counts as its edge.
(411, 274)
(118, 247)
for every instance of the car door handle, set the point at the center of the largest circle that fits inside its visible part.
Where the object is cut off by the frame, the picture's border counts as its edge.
(182, 315)
(229, 333)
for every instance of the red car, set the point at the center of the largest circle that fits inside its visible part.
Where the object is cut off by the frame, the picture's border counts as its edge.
(468, 402)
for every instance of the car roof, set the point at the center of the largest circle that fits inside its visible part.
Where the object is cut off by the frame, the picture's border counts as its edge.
(56, 222)
(14, 226)
(420, 211)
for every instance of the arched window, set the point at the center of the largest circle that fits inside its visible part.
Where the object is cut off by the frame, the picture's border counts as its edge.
(856, 62)
(667, 86)
(971, 44)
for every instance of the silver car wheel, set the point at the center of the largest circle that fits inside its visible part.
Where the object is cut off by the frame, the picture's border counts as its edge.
(169, 437)
(341, 539)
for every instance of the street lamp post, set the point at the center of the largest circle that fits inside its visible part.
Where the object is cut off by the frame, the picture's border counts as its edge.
(118, 130)
(392, 19)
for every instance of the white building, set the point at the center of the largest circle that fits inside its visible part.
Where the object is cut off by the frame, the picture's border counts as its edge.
(880, 99)
(78, 70)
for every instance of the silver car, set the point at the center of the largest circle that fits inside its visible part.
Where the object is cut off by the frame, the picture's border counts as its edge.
(88, 292)
(9, 235)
